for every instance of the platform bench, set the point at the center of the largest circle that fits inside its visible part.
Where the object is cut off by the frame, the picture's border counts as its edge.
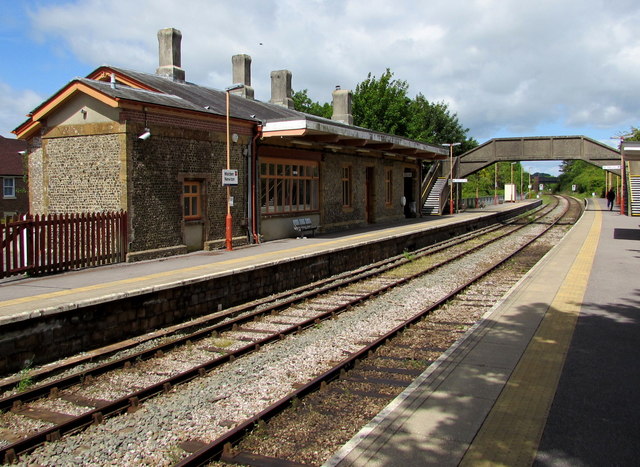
(303, 225)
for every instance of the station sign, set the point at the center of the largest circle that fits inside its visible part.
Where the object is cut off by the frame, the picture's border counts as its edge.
(611, 167)
(459, 180)
(229, 177)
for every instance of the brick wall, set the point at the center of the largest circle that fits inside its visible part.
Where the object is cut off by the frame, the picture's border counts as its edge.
(18, 204)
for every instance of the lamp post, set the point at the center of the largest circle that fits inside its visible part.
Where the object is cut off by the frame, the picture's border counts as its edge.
(521, 177)
(229, 219)
(451, 145)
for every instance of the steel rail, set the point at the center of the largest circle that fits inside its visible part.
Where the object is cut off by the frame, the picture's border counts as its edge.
(203, 328)
(223, 444)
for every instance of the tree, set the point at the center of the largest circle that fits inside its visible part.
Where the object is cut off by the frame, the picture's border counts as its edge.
(382, 104)
(484, 180)
(433, 123)
(303, 103)
(587, 177)
(633, 134)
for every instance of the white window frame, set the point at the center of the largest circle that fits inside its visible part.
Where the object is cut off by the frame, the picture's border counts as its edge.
(8, 189)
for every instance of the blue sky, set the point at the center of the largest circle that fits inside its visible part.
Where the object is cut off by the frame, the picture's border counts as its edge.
(505, 67)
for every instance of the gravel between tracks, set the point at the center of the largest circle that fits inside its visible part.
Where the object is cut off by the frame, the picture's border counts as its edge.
(206, 407)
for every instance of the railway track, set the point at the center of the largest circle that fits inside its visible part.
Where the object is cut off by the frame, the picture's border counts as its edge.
(236, 333)
(354, 391)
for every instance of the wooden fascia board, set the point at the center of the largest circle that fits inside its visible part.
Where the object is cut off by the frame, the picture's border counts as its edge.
(276, 133)
(27, 129)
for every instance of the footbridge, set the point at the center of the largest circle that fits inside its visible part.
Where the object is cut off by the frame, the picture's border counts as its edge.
(537, 148)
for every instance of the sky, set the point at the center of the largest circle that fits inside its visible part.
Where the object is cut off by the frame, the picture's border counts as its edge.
(504, 67)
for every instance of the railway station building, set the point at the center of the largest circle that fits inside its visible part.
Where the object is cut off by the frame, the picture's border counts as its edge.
(156, 146)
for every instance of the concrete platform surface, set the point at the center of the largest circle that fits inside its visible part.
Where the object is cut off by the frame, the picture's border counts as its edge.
(549, 376)
(25, 297)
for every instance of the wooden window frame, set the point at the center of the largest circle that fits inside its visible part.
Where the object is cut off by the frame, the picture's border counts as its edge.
(388, 187)
(191, 196)
(288, 186)
(346, 178)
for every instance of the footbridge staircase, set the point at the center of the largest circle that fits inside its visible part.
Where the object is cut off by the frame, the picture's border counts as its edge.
(634, 194)
(434, 191)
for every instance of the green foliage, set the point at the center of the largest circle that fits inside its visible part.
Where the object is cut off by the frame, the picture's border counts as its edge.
(382, 104)
(303, 103)
(26, 381)
(484, 180)
(433, 123)
(587, 177)
(633, 134)
(408, 255)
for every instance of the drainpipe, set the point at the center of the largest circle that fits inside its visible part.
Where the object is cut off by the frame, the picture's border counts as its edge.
(253, 164)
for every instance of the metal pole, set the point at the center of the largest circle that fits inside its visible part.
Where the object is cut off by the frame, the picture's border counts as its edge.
(495, 185)
(623, 183)
(521, 177)
(451, 145)
(229, 219)
(450, 179)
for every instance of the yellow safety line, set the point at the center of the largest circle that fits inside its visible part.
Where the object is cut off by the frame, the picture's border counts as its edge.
(512, 431)
(252, 259)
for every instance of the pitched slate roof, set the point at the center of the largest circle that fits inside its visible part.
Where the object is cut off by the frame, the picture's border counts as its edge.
(276, 120)
(201, 97)
(10, 159)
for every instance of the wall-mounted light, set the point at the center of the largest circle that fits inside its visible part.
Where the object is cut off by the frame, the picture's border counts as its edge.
(84, 113)
(146, 135)
(22, 153)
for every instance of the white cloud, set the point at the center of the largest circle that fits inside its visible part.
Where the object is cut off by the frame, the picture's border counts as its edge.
(507, 65)
(12, 103)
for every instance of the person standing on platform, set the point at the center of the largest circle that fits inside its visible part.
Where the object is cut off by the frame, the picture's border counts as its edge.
(611, 197)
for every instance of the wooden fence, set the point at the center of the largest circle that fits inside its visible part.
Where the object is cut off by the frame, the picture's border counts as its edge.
(43, 244)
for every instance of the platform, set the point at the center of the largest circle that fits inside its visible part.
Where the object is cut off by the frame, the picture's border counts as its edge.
(549, 376)
(23, 297)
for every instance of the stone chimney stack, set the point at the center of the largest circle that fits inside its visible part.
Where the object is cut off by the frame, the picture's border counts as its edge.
(242, 74)
(169, 40)
(281, 88)
(342, 106)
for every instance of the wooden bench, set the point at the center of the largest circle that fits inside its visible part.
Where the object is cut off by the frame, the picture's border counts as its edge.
(303, 225)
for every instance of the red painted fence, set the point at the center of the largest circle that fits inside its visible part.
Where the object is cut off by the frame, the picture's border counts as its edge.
(61, 242)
